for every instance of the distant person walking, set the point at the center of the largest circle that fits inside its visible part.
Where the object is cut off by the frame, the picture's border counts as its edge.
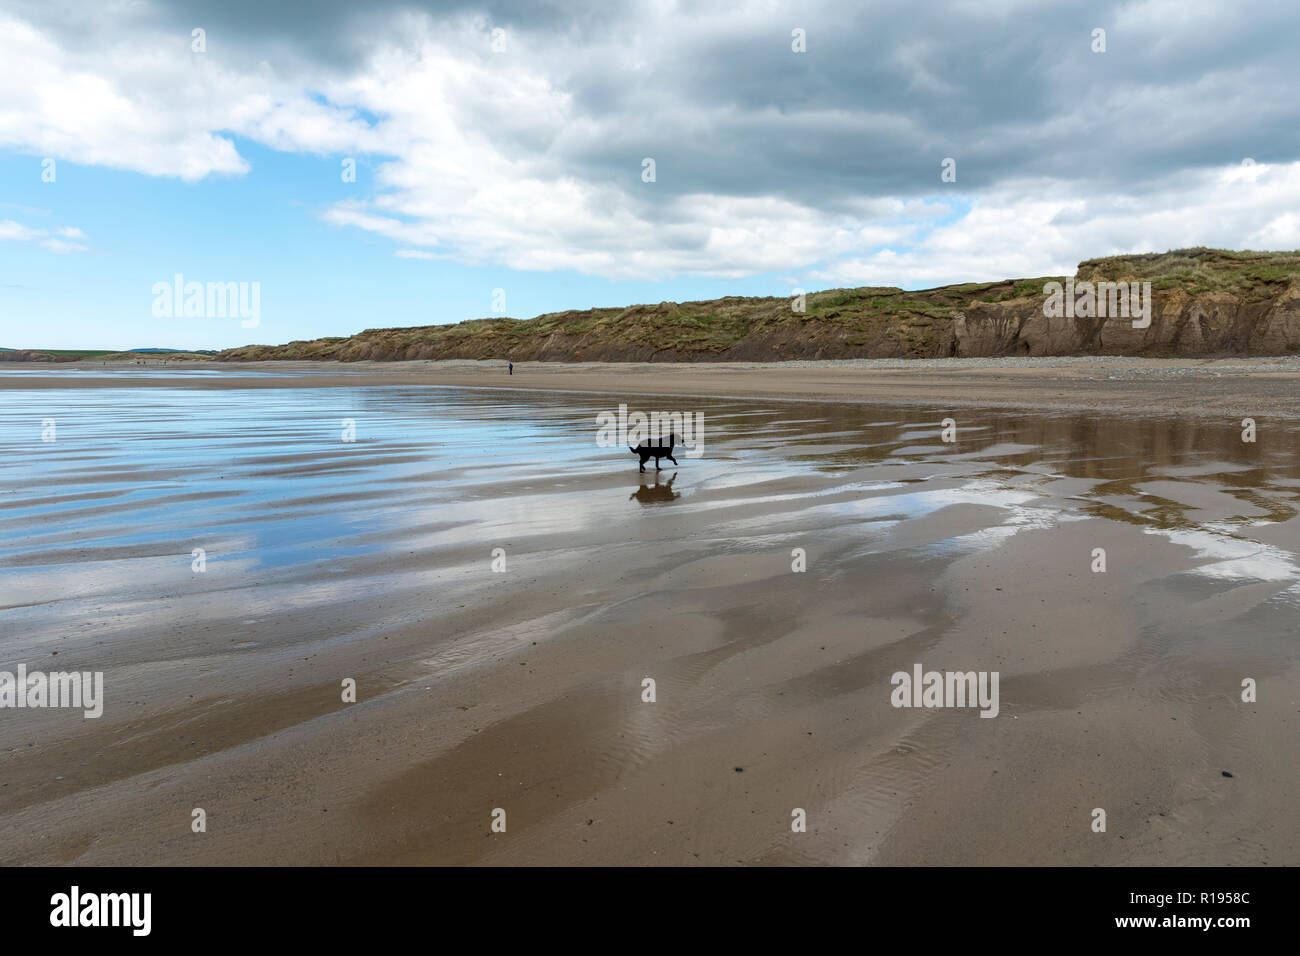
(512, 367)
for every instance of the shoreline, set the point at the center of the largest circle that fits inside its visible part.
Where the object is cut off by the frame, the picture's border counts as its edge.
(1264, 386)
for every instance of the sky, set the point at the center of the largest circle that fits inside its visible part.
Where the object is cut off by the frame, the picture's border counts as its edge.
(500, 153)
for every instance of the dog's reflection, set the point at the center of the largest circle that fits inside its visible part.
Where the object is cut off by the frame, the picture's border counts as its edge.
(656, 493)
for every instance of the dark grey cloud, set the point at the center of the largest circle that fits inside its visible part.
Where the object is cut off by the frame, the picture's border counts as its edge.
(884, 93)
(830, 140)
(335, 34)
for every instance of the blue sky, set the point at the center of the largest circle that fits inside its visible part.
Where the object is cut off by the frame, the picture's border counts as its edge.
(501, 145)
(316, 279)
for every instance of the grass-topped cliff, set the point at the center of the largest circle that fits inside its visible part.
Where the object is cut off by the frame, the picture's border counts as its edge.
(837, 323)
(1206, 302)
(1231, 297)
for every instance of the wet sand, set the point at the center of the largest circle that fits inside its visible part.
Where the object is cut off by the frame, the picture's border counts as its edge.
(1245, 387)
(521, 689)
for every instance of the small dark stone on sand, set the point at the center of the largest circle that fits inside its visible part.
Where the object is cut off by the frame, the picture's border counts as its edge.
(740, 770)
(1226, 774)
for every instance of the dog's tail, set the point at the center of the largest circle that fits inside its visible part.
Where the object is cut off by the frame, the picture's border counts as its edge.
(633, 450)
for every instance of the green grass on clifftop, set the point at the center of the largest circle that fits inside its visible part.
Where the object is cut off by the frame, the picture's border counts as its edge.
(838, 323)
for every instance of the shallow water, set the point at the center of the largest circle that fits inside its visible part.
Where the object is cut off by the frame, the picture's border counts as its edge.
(261, 480)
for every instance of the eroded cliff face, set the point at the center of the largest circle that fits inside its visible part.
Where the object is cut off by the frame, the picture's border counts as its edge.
(1182, 324)
(1206, 302)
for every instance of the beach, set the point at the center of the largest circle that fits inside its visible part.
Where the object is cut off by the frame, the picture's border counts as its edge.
(499, 586)
(1197, 387)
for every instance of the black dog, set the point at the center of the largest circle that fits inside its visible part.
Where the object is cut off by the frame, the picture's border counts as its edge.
(648, 451)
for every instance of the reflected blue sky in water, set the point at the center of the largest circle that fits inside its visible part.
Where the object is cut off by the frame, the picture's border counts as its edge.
(264, 476)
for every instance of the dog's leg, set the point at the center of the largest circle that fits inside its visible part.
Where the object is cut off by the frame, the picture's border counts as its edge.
(672, 459)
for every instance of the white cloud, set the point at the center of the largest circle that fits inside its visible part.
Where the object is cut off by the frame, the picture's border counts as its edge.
(140, 100)
(1049, 236)
(532, 159)
(62, 248)
(16, 230)
(9, 229)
